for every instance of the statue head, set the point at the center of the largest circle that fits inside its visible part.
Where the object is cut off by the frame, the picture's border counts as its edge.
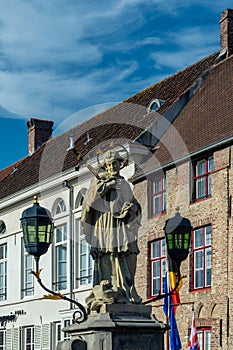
(112, 156)
(113, 162)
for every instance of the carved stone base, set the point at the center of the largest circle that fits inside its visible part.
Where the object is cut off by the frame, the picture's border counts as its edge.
(117, 327)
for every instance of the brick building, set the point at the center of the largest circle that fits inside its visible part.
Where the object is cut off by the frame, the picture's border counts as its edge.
(179, 135)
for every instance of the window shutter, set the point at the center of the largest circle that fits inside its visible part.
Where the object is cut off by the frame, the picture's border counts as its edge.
(16, 339)
(9, 344)
(46, 336)
(37, 337)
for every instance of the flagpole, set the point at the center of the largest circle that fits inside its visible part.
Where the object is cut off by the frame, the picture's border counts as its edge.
(185, 303)
(169, 306)
(167, 335)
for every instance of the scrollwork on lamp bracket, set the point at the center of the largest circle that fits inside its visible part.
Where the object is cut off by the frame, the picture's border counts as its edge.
(79, 315)
(165, 295)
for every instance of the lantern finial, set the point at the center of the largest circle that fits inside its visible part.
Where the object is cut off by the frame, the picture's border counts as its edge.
(36, 199)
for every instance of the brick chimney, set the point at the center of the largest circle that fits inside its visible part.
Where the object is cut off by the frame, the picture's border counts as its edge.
(226, 31)
(39, 131)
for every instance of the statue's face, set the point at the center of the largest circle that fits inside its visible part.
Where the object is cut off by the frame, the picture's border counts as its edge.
(113, 168)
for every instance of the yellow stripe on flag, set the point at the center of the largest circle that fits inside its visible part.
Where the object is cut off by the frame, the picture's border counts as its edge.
(173, 279)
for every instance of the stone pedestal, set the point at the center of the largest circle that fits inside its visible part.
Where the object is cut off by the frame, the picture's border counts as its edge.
(117, 327)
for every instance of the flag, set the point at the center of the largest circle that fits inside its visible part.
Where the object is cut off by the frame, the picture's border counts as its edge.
(193, 340)
(173, 280)
(175, 343)
(175, 295)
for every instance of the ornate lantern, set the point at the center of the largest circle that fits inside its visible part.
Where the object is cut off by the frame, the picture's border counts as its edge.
(178, 234)
(37, 229)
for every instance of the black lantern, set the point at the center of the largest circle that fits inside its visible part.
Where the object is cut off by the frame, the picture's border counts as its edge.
(178, 235)
(37, 229)
(38, 235)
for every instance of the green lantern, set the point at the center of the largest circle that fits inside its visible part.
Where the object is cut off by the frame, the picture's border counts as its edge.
(37, 229)
(178, 235)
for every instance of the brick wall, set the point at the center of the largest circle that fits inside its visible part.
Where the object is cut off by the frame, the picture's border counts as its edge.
(210, 305)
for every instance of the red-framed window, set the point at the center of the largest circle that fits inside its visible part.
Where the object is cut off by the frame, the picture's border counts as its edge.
(158, 195)
(157, 266)
(202, 257)
(204, 338)
(202, 178)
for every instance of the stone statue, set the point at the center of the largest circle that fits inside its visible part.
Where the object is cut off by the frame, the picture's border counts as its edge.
(111, 218)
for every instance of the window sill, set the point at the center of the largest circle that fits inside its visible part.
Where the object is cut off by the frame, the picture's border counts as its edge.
(200, 200)
(83, 288)
(201, 289)
(155, 216)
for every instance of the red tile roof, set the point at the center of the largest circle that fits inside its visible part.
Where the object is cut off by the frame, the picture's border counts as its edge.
(125, 121)
(206, 120)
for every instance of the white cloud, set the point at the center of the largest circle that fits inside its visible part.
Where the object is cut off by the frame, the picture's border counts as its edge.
(191, 44)
(57, 57)
(195, 37)
(32, 35)
(45, 95)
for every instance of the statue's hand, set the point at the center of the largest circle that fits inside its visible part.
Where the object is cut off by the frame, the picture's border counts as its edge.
(111, 183)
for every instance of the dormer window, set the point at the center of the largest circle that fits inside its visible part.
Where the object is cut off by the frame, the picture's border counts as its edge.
(155, 104)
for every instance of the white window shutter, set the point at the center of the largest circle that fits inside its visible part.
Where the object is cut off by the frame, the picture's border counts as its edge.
(9, 339)
(46, 336)
(38, 338)
(16, 338)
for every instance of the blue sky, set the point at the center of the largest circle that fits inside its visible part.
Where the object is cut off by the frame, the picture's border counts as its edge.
(64, 60)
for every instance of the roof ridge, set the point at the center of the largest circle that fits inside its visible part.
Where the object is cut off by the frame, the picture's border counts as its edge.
(173, 75)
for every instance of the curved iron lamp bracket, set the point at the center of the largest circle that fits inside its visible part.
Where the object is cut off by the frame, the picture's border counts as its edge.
(165, 295)
(79, 315)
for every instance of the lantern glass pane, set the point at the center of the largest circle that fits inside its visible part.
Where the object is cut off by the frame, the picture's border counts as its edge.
(186, 240)
(31, 228)
(169, 241)
(42, 233)
(50, 230)
(24, 227)
(178, 241)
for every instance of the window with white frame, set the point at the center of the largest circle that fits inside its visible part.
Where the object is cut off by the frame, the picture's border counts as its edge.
(202, 257)
(84, 263)
(80, 197)
(204, 338)
(29, 338)
(28, 280)
(61, 207)
(157, 195)
(57, 334)
(60, 282)
(3, 271)
(3, 339)
(203, 178)
(66, 324)
(157, 266)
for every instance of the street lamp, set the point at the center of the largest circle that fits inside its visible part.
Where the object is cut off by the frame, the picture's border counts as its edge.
(38, 228)
(178, 235)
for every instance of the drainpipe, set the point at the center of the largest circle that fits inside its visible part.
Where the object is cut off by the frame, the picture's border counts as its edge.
(67, 185)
